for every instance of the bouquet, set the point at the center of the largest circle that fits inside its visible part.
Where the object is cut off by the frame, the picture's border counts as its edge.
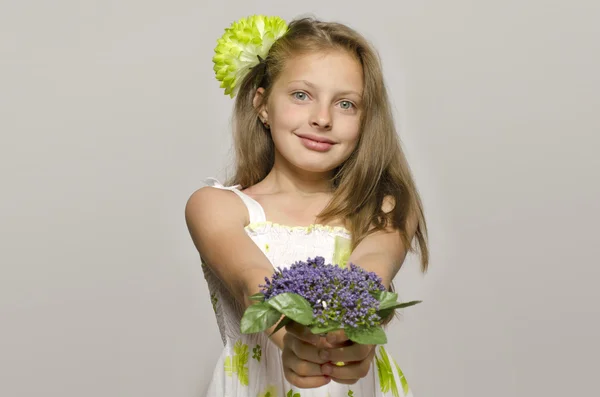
(324, 298)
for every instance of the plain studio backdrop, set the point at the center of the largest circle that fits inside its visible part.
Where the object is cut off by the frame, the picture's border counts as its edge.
(110, 117)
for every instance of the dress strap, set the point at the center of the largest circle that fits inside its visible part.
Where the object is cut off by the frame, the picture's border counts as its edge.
(255, 210)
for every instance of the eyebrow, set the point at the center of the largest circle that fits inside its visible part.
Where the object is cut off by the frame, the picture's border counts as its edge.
(308, 83)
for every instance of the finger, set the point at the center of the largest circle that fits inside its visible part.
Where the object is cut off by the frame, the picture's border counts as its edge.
(305, 382)
(337, 337)
(298, 372)
(349, 371)
(302, 332)
(305, 351)
(345, 381)
(352, 353)
(299, 366)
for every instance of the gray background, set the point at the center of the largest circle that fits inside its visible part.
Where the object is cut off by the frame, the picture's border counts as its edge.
(110, 117)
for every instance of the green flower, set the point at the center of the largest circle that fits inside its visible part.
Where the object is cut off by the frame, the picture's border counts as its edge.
(240, 47)
(238, 364)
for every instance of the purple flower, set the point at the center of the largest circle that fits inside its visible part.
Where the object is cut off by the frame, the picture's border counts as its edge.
(339, 295)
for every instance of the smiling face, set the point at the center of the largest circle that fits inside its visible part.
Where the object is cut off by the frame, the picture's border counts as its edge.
(317, 97)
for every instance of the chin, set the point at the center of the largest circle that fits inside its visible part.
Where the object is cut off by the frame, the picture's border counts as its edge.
(316, 166)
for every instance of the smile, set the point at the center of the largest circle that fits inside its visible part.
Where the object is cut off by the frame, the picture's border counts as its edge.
(315, 145)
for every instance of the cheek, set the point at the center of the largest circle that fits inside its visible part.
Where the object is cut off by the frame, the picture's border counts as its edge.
(351, 129)
(286, 114)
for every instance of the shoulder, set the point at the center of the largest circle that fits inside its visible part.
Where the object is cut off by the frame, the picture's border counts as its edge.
(209, 204)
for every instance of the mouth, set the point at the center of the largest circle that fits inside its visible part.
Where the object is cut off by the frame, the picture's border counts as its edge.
(317, 139)
(316, 144)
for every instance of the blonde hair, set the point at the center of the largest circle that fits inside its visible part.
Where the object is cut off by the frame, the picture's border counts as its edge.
(377, 168)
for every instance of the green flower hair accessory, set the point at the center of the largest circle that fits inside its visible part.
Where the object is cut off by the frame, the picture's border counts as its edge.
(243, 45)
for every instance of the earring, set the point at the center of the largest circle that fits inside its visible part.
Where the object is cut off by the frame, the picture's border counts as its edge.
(265, 123)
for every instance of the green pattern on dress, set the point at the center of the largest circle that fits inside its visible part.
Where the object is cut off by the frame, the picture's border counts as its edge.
(256, 352)
(387, 381)
(403, 380)
(270, 391)
(292, 394)
(213, 301)
(350, 393)
(238, 364)
(341, 251)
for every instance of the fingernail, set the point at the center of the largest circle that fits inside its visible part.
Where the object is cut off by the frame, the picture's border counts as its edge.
(325, 369)
(324, 354)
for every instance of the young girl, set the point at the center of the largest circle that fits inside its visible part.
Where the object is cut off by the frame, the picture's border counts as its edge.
(319, 172)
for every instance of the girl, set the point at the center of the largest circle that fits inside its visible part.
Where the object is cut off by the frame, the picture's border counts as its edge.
(319, 172)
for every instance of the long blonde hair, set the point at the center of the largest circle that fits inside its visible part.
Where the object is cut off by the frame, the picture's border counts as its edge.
(377, 168)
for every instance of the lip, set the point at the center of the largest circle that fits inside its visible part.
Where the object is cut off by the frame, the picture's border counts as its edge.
(316, 138)
(317, 146)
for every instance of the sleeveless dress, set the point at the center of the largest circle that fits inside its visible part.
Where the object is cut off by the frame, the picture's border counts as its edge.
(251, 365)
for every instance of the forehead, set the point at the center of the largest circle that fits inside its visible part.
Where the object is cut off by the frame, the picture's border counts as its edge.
(333, 70)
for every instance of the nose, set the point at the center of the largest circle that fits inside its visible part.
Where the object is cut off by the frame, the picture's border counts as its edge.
(321, 118)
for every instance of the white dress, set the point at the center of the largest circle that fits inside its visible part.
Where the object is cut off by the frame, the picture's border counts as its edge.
(250, 365)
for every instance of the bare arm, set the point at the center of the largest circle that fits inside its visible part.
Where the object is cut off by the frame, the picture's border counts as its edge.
(305, 365)
(383, 252)
(215, 219)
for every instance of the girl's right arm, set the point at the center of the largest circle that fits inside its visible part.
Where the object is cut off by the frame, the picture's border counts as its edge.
(215, 219)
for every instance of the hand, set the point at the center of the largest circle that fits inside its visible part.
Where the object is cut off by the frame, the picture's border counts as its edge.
(356, 358)
(301, 356)
(309, 360)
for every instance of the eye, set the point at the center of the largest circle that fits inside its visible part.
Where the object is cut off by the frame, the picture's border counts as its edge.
(346, 105)
(299, 95)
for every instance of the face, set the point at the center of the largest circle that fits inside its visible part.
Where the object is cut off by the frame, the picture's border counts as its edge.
(314, 111)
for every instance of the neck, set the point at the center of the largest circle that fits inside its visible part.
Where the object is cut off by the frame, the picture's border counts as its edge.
(300, 182)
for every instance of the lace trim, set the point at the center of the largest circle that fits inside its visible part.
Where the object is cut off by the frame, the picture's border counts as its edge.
(256, 226)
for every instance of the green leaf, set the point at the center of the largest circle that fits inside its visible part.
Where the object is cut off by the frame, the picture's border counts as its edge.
(323, 329)
(257, 297)
(376, 294)
(399, 305)
(387, 299)
(258, 317)
(383, 314)
(284, 321)
(406, 304)
(386, 312)
(366, 336)
(293, 306)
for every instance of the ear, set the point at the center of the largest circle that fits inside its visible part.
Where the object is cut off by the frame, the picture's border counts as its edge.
(260, 103)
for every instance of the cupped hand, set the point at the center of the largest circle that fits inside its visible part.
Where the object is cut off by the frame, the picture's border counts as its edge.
(309, 360)
(355, 359)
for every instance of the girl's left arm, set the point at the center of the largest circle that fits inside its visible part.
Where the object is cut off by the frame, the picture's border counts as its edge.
(383, 251)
